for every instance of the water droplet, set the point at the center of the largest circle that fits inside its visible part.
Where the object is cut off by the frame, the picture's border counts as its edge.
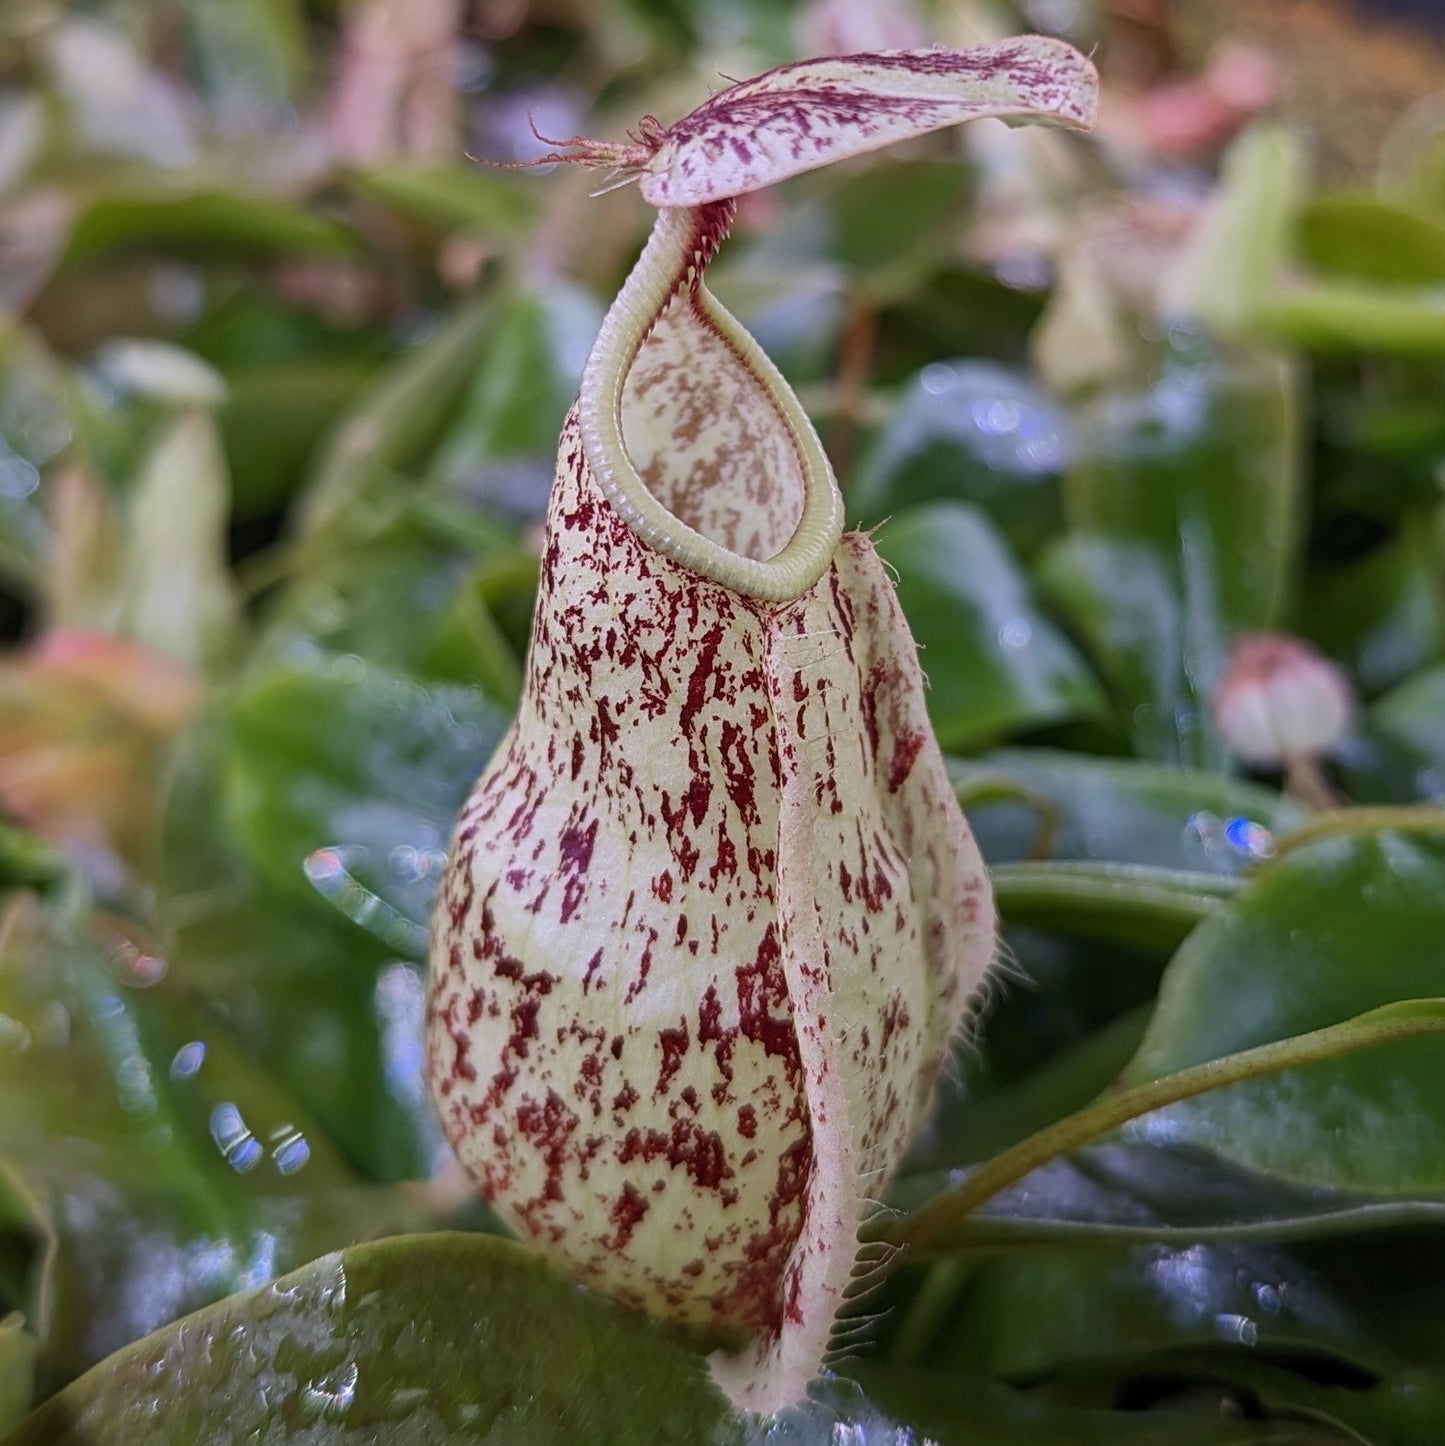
(329, 871)
(134, 967)
(189, 1058)
(14, 1036)
(1015, 635)
(1267, 1298)
(333, 1394)
(1238, 1328)
(289, 1149)
(937, 378)
(18, 478)
(1249, 838)
(242, 1150)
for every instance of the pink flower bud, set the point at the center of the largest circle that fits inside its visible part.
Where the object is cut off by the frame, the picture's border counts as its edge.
(1280, 700)
(712, 917)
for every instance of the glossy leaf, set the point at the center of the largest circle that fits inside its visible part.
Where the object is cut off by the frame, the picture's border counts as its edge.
(1067, 805)
(1123, 903)
(971, 432)
(435, 1338)
(1329, 930)
(1183, 506)
(1412, 716)
(338, 754)
(447, 1337)
(157, 1167)
(315, 996)
(995, 664)
(1381, 616)
(1110, 1312)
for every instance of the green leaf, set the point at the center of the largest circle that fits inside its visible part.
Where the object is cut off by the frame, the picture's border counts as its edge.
(415, 1339)
(1071, 806)
(523, 381)
(1381, 616)
(1183, 506)
(1131, 1194)
(1412, 717)
(35, 427)
(977, 1117)
(202, 224)
(152, 1165)
(892, 224)
(995, 664)
(273, 420)
(1147, 1102)
(337, 754)
(1330, 929)
(1111, 1314)
(969, 431)
(1231, 268)
(17, 1370)
(178, 594)
(396, 420)
(1357, 234)
(1357, 316)
(1120, 903)
(320, 1001)
(251, 55)
(450, 196)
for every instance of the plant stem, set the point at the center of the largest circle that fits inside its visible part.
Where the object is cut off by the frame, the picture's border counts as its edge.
(1407, 818)
(929, 1226)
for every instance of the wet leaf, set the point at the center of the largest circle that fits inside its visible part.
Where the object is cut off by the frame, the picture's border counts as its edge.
(995, 664)
(156, 1167)
(1381, 616)
(1325, 932)
(336, 754)
(971, 432)
(1412, 717)
(1115, 1312)
(1183, 508)
(1071, 806)
(315, 997)
(435, 1338)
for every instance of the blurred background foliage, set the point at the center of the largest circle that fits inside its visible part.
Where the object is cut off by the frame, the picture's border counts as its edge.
(281, 376)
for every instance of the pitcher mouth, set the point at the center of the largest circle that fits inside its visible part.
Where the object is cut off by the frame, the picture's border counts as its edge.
(693, 435)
